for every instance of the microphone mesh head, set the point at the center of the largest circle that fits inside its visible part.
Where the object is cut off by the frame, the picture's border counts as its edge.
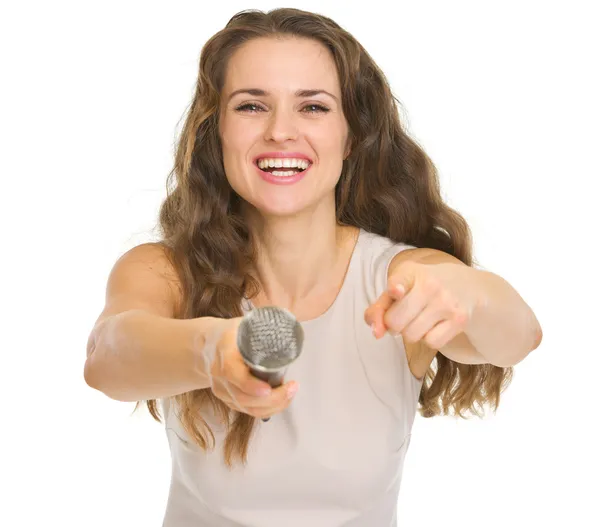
(270, 337)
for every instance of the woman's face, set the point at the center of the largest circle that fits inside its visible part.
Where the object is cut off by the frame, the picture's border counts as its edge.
(283, 98)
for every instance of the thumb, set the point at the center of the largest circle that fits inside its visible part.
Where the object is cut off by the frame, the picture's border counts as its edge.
(401, 280)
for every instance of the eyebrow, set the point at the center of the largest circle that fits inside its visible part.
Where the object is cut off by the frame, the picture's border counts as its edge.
(256, 92)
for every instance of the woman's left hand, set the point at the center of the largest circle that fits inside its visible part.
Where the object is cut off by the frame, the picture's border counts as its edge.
(429, 302)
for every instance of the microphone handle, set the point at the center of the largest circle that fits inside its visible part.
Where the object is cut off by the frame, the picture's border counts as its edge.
(274, 378)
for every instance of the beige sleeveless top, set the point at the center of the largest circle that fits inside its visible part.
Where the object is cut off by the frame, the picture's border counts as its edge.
(334, 457)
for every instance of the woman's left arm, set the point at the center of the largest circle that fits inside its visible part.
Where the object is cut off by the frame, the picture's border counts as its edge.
(469, 315)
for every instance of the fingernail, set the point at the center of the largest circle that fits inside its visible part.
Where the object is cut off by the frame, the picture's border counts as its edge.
(264, 392)
(373, 329)
(291, 391)
(399, 289)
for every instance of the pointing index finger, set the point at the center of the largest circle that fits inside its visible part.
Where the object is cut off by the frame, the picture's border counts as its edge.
(374, 313)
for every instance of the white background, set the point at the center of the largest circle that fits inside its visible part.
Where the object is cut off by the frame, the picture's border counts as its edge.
(504, 98)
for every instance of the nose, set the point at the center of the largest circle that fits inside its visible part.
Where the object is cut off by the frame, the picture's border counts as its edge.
(281, 127)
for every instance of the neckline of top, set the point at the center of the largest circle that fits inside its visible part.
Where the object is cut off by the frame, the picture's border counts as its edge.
(247, 304)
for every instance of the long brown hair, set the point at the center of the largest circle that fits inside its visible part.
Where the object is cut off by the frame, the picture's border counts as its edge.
(209, 243)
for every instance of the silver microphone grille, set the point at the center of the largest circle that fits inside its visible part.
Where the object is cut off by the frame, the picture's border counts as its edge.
(270, 337)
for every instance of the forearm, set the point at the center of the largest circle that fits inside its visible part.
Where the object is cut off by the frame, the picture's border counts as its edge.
(136, 355)
(503, 328)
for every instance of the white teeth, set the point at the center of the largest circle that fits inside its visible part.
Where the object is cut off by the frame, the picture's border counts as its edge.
(283, 162)
(284, 173)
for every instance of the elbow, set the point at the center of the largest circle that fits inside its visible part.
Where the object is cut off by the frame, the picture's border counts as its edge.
(95, 379)
(88, 374)
(538, 336)
(532, 341)
(509, 360)
(89, 368)
(92, 376)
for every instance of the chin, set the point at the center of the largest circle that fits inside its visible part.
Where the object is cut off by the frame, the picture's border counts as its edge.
(280, 211)
(279, 208)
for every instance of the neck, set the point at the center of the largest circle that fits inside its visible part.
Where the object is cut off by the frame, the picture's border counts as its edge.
(298, 258)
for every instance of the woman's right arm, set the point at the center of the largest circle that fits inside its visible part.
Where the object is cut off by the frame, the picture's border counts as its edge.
(137, 350)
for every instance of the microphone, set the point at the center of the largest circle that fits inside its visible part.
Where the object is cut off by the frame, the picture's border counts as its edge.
(270, 339)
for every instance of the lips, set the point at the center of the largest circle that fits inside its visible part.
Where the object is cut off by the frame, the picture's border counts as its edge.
(282, 180)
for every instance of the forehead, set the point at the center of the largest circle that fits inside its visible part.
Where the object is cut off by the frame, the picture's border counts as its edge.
(282, 65)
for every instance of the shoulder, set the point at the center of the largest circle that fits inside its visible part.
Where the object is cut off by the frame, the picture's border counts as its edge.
(147, 271)
(154, 257)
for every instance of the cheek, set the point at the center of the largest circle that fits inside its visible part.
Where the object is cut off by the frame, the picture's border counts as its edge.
(231, 143)
(235, 145)
(330, 141)
(237, 135)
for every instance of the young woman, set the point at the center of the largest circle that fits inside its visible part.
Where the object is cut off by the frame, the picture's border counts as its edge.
(296, 186)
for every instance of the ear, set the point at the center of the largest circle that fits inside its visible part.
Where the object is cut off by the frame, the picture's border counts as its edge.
(348, 149)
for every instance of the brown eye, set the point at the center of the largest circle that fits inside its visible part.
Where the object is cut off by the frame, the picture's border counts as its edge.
(319, 108)
(249, 107)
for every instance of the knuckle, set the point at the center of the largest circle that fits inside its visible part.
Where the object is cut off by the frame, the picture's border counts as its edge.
(431, 285)
(388, 319)
(391, 315)
(446, 299)
(282, 397)
(461, 317)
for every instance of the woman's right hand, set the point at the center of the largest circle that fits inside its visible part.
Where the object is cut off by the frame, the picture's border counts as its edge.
(232, 381)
